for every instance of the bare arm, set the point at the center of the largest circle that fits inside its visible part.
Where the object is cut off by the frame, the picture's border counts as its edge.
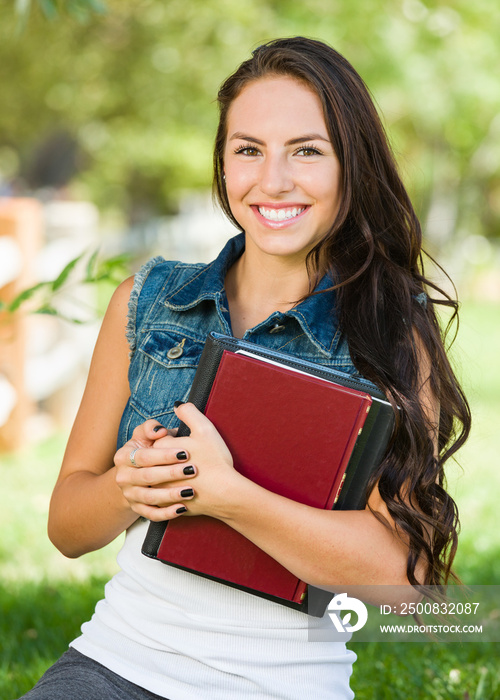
(89, 508)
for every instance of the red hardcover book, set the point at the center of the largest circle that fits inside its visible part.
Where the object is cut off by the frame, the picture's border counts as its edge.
(289, 432)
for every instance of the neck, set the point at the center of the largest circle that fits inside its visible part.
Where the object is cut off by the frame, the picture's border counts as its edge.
(258, 285)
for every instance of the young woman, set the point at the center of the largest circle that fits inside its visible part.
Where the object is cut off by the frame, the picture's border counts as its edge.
(327, 267)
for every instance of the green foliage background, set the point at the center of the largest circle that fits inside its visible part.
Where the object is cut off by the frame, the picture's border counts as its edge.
(135, 86)
(133, 83)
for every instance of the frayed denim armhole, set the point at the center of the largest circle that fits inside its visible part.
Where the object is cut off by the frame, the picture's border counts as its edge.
(139, 280)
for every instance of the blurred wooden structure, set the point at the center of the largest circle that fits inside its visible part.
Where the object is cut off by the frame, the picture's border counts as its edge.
(21, 220)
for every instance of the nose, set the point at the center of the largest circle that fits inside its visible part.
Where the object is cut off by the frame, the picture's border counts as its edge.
(276, 175)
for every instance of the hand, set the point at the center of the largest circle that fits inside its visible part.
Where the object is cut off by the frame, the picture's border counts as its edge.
(217, 485)
(154, 484)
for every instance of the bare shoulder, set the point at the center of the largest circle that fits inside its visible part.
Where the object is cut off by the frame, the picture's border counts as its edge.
(118, 305)
(122, 292)
(106, 392)
(114, 324)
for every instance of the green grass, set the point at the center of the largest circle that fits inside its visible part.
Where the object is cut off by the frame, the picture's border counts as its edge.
(45, 597)
(475, 482)
(426, 671)
(26, 553)
(37, 620)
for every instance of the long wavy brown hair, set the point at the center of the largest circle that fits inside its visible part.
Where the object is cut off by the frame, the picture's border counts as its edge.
(385, 304)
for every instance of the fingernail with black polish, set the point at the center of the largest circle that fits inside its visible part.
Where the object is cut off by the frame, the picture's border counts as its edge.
(186, 493)
(182, 509)
(157, 428)
(181, 455)
(188, 470)
(178, 403)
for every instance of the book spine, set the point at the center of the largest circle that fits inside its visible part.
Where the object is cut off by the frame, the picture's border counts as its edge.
(204, 378)
(198, 395)
(363, 414)
(153, 539)
(367, 456)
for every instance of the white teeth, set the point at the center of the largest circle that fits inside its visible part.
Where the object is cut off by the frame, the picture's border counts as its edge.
(280, 214)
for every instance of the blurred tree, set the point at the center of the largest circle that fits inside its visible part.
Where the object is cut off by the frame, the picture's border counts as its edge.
(45, 297)
(81, 9)
(135, 86)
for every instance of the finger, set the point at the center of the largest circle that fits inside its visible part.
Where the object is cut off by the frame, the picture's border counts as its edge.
(158, 515)
(149, 430)
(196, 421)
(161, 498)
(157, 476)
(157, 457)
(165, 441)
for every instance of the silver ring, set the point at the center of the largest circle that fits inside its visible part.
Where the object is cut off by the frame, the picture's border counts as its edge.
(132, 457)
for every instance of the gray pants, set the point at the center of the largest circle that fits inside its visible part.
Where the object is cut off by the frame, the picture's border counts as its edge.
(76, 677)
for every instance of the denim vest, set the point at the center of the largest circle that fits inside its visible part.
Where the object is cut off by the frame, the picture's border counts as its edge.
(173, 307)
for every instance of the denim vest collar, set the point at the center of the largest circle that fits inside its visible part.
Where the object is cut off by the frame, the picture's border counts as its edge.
(316, 314)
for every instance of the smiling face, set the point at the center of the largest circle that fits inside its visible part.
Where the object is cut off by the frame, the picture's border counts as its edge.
(282, 174)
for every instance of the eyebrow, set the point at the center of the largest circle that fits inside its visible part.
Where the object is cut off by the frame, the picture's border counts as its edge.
(291, 142)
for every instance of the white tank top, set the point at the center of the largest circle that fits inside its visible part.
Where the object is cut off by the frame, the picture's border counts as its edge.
(184, 637)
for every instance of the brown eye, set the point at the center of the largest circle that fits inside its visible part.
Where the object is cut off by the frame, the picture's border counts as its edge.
(308, 151)
(247, 151)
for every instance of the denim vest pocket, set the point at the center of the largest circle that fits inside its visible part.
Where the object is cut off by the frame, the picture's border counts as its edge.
(172, 348)
(168, 360)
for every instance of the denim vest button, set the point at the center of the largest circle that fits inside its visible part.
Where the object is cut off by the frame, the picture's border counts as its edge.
(176, 351)
(277, 328)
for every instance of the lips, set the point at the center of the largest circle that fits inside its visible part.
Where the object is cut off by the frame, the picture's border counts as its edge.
(279, 215)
